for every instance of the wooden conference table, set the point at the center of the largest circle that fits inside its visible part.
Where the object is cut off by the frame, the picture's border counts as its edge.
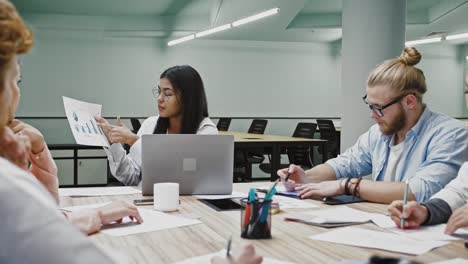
(245, 141)
(290, 240)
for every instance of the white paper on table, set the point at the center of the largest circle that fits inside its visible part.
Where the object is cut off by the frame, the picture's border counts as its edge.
(80, 117)
(340, 214)
(452, 261)
(381, 220)
(98, 191)
(207, 259)
(226, 196)
(379, 240)
(435, 232)
(152, 221)
(82, 207)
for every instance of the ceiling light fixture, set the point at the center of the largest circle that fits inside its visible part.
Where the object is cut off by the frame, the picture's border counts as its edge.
(237, 23)
(457, 36)
(422, 41)
(212, 31)
(258, 16)
(180, 40)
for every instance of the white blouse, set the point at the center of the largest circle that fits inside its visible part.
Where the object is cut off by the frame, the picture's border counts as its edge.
(127, 167)
(32, 229)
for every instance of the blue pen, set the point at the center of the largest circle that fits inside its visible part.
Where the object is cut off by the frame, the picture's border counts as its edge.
(405, 201)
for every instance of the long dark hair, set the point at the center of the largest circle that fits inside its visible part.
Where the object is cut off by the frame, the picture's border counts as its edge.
(190, 91)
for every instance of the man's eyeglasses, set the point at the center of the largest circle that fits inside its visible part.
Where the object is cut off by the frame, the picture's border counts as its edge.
(378, 109)
(165, 97)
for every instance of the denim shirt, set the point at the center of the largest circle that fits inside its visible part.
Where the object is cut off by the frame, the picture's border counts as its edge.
(434, 149)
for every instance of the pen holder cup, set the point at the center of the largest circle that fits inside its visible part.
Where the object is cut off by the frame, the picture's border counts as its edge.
(255, 219)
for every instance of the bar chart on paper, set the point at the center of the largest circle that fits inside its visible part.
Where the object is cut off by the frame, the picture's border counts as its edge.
(80, 116)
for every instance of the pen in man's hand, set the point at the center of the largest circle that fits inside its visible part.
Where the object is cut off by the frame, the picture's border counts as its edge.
(405, 201)
(228, 250)
(287, 177)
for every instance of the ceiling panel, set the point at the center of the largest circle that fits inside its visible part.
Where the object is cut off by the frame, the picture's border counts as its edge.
(95, 7)
(298, 20)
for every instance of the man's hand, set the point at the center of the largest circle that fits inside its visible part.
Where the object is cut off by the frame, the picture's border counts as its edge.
(322, 189)
(296, 177)
(248, 256)
(414, 213)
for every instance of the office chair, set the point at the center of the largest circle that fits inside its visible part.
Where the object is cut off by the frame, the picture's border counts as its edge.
(300, 155)
(243, 160)
(223, 124)
(258, 126)
(328, 132)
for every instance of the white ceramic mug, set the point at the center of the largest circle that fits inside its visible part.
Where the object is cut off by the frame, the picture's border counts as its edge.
(166, 196)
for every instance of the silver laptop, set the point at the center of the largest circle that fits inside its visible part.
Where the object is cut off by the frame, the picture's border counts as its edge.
(201, 164)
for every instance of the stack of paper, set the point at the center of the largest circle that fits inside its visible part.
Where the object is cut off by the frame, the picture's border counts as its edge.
(207, 259)
(339, 216)
(280, 190)
(379, 240)
(97, 191)
(288, 202)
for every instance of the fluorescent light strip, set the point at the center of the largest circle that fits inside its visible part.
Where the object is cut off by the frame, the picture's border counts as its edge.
(466, 57)
(237, 23)
(457, 36)
(212, 31)
(255, 17)
(180, 40)
(423, 41)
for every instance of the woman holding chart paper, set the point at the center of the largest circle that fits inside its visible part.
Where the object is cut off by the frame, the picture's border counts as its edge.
(183, 109)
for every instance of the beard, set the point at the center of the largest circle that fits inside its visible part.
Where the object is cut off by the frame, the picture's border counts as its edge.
(394, 125)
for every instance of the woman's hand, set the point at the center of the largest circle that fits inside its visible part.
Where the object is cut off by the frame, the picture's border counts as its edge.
(15, 148)
(117, 134)
(458, 219)
(116, 211)
(35, 137)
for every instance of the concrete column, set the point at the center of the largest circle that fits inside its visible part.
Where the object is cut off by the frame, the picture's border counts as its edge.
(373, 31)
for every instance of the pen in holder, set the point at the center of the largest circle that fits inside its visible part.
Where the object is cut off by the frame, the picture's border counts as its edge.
(255, 218)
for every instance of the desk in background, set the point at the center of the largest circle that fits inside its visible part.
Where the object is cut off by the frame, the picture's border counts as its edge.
(246, 141)
(290, 240)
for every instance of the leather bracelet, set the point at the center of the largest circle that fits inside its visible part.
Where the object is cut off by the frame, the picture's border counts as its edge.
(356, 189)
(346, 190)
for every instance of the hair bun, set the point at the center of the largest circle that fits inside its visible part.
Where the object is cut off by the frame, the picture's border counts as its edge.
(410, 56)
